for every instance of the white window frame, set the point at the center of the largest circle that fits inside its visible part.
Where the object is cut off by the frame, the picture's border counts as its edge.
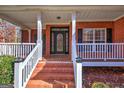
(93, 29)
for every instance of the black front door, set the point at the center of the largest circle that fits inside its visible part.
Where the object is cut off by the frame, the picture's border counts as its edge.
(59, 41)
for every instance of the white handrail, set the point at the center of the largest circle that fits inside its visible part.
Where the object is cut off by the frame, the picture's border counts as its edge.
(24, 69)
(99, 43)
(19, 50)
(110, 51)
(18, 43)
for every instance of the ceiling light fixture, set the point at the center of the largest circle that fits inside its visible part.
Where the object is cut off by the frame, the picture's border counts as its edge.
(58, 17)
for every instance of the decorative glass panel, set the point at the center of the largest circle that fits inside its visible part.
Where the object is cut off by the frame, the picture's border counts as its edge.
(66, 42)
(59, 29)
(52, 42)
(60, 42)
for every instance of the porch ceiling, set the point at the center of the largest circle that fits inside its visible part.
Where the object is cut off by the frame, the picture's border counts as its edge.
(26, 15)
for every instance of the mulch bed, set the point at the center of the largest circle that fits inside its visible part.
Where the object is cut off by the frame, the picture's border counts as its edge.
(113, 76)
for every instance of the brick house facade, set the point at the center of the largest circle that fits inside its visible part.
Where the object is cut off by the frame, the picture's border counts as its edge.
(58, 41)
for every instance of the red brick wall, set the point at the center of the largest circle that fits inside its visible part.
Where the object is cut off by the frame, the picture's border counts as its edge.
(48, 40)
(70, 40)
(119, 30)
(25, 36)
(33, 33)
(94, 25)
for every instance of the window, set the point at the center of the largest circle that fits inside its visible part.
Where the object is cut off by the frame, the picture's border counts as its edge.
(100, 36)
(94, 35)
(88, 36)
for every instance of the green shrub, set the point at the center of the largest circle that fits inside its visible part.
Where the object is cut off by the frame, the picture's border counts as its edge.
(6, 69)
(99, 85)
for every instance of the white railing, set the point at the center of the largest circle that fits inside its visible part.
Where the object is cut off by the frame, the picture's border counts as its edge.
(24, 69)
(100, 51)
(19, 50)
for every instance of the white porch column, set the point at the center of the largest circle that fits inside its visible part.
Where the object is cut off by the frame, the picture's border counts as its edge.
(74, 53)
(77, 66)
(39, 35)
(29, 39)
(17, 74)
(78, 73)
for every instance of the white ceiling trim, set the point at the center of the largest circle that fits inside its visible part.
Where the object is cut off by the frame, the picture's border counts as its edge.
(60, 7)
(95, 20)
(118, 18)
(26, 15)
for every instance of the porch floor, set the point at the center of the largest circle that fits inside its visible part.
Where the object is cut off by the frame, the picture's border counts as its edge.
(62, 58)
(102, 60)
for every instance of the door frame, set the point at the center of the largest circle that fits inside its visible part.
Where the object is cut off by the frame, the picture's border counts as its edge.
(64, 52)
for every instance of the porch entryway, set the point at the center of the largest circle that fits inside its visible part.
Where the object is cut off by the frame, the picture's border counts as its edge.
(59, 40)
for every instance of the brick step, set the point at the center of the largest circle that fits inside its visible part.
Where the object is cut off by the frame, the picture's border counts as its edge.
(38, 84)
(53, 76)
(45, 75)
(54, 69)
(49, 84)
(68, 84)
(40, 65)
(57, 59)
(55, 65)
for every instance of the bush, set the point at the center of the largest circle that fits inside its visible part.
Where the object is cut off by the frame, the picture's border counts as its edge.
(6, 69)
(99, 85)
